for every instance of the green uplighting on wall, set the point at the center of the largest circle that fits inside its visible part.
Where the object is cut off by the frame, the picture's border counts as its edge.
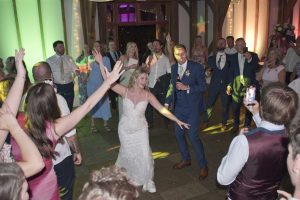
(8, 35)
(31, 24)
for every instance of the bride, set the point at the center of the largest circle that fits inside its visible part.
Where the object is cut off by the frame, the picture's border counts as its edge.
(135, 153)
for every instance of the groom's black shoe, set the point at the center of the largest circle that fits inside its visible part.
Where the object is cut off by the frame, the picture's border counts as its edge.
(203, 173)
(182, 164)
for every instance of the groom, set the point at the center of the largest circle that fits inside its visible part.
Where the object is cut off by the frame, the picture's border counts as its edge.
(186, 95)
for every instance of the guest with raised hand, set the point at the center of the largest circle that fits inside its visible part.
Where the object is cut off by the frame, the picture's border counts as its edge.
(32, 161)
(135, 153)
(253, 167)
(45, 127)
(102, 109)
(15, 94)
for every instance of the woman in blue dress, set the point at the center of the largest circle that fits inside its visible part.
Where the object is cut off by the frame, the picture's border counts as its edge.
(95, 79)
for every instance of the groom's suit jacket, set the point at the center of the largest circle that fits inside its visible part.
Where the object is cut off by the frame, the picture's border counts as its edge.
(190, 101)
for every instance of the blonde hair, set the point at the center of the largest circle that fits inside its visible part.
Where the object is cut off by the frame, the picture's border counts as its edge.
(136, 73)
(136, 52)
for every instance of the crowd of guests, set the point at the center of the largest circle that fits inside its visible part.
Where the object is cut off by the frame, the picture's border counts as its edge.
(39, 147)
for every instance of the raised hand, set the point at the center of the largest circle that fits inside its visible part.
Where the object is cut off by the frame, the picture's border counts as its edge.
(7, 119)
(115, 74)
(252, 106)
(168, 37)
(98, 57)
(19, 55)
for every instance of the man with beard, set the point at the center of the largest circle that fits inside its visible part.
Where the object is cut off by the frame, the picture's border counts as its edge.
(158, 65)
(219, 72)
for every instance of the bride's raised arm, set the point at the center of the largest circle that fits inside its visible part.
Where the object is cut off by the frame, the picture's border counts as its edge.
(117, 88)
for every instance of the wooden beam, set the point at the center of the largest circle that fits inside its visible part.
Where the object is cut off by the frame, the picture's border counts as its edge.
(84, 20)
(219, 12)
(102, 22)
(174, 21)
(288, 10)
(64, 24)
(193, 22)
(184, 5)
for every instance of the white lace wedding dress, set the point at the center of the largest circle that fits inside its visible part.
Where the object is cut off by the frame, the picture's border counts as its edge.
(135, 154)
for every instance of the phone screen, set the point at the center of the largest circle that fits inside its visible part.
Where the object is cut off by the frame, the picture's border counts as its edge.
(250, 94)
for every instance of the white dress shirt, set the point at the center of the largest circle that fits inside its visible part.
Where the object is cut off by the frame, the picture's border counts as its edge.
(69, 68)
(230, 51)
(241, 63)
(63, 147)
(291, 59)
(158, 66)
(238, 153)
(222, 61)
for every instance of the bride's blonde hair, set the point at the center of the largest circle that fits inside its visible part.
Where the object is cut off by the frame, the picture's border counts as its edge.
(136, 73)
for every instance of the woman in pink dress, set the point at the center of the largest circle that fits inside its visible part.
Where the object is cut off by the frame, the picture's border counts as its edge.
(44, 125)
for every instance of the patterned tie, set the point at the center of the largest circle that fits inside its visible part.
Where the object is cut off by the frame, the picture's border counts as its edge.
(219, 62)
(62, 71)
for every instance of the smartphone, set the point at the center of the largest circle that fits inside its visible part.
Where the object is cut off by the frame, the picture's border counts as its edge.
(245, 49)
(250, 95)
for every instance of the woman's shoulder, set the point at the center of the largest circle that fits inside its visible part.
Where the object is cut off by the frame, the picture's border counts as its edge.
(280, 67)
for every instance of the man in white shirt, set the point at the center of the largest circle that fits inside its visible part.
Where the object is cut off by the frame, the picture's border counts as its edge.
(158, 64)
(253, 166)
(63, 69)
(291, 59)
(64, 161)
(230, 45)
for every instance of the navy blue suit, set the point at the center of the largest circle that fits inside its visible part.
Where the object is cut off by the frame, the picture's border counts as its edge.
(187, 106)
(218, 85)
(239, 84)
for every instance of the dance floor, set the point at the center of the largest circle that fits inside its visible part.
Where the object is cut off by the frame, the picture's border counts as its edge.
(101, 149)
